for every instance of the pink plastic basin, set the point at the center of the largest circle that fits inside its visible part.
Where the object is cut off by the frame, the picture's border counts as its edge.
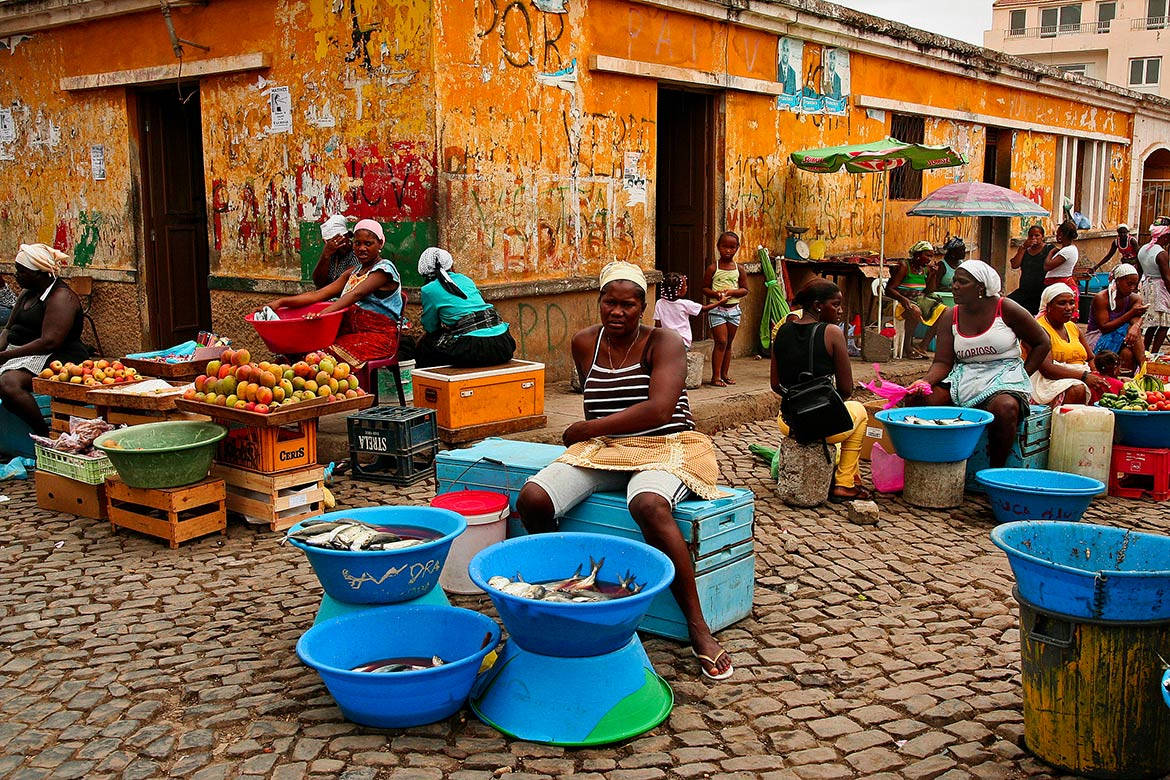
(292, 334)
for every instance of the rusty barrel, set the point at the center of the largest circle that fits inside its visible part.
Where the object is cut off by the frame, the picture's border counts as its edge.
(1092, 694)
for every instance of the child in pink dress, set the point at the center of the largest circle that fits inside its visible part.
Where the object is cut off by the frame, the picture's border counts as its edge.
(674, 310)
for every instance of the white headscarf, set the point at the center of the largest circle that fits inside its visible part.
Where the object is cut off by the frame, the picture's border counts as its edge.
(334, 226)
(985, 275)
(1052, 292)
(621, 271)
(434, 263)
(41, 257)
(1121, 271)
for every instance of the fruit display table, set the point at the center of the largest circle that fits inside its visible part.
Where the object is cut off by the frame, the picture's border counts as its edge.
(71, 399)
(127, 406)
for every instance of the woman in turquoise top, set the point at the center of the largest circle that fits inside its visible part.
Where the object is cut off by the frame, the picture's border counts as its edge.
(462, 329)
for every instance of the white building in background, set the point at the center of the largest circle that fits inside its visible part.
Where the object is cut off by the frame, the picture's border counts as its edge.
(1123, 42)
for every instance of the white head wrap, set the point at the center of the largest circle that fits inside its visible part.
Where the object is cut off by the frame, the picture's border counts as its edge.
(985, 275)
(41, 257)
(1052, 292)
(621, 271)
(1124, 227)
(334, 226)
(434, 263)
(1122, 270)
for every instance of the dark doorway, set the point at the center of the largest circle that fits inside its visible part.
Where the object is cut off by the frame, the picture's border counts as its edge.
(995, 232)
(174, 214)
(685, 241)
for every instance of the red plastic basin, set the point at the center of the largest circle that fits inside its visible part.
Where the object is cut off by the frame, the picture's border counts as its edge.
(292, 334)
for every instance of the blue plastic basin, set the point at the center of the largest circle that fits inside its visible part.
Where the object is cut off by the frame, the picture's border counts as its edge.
(1141, 429)
(1037, 494)
(386, 576)
(935, 443)
(571, 630)
(14, 432)
(1091, 571)
(396, 700)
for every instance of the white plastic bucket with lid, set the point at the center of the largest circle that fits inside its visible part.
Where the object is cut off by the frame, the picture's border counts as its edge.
(487, 523)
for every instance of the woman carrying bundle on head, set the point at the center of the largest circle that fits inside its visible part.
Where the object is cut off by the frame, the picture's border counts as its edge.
(462, 329)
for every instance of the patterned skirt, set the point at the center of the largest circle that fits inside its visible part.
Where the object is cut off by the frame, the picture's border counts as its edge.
(1155, 295)
(364, 336)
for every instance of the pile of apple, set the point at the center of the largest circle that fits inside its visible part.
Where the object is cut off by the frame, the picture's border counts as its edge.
(91, 373)
(236, 382)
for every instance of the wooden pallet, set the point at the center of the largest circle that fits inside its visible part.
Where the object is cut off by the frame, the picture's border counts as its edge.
(174, 514)
(280, 500)
(485, 430)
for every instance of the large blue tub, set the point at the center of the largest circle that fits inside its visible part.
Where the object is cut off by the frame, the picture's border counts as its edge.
(571, 630)
(935, 443)
(1037, 494)
(1132, 428)
(386, 576)
(460, 637)
(1089, 571)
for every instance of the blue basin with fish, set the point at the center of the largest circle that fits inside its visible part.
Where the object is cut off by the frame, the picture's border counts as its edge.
(1083, 570)
(1037, 494)
(386, 576)
(460, 637)
(571, 629)
(934, 443)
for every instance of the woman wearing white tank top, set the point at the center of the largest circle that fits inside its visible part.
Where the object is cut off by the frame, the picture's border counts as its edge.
(1155, 290)
(978, 361)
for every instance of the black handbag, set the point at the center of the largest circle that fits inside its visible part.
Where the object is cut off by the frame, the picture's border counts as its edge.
(812, 408)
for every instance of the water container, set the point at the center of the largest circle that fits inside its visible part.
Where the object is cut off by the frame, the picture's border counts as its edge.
(1082, 441)
(486, 513)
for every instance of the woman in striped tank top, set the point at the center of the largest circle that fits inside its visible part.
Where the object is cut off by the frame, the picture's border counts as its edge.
(637, 436)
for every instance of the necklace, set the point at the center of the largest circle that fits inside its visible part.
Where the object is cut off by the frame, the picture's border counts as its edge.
(609, 350)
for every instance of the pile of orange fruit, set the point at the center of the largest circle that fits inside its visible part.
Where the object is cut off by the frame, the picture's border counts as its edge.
(235, 381)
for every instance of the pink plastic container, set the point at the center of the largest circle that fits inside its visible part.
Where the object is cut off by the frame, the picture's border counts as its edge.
(292, 334)
(887, 469)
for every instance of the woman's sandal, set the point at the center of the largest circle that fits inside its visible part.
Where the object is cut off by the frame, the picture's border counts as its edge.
(714, 663)
(729, 380)
(856, 493)
(718, 383)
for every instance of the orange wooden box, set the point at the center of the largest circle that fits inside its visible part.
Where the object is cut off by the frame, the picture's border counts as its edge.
(174, 514)
(463, 397)
(62, 494)
(270, 450)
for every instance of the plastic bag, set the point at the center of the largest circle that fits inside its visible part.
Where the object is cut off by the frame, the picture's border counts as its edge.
(892, 392)
(266, 315)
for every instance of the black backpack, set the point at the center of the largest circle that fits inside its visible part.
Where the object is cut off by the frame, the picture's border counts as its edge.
(812, 408)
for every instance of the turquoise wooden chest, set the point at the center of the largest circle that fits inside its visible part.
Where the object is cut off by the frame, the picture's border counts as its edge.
(718, 533)
(1030, 450)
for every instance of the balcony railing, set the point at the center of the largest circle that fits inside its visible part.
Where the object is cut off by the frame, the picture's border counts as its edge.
(1053, 30)
(1150, 23)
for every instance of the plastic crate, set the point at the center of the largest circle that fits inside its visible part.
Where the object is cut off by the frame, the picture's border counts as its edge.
(387, 430)
(1137, 472)
(395, 468)
(1029, 450)
(92, 471)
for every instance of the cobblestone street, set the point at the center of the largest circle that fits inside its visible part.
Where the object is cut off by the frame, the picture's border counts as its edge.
(872, 651)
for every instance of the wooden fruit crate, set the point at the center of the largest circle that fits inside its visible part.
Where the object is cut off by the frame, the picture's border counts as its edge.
(280, 500)
(69, 391)
(175, 514)
(120, 408)
(61, 410)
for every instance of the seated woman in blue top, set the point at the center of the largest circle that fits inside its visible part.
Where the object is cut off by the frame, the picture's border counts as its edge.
(462, 329)
(371, 292)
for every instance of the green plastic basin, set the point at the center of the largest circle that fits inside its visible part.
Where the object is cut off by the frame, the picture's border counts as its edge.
(163, 454)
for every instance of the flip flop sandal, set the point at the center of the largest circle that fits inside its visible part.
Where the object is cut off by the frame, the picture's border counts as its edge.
(862, 494)
(718, 383)
(729, 381)
(714, 662)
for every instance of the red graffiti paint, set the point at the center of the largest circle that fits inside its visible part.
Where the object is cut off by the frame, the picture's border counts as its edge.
(61, 238)
(219, 206)
(395, 187)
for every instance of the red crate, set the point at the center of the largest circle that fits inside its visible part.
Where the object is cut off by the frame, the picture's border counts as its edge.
(1136, 472)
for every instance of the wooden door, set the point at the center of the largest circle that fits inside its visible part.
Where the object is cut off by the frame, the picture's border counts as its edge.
(684, 240)
(174, 214)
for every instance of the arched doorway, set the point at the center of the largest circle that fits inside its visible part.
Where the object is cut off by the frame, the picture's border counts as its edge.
(1155, 189)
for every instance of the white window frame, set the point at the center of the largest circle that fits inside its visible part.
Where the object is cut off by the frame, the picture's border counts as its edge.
(1013, 30)
(1145, 72)
(1087, 183)
(1104, 25)
(1079, 68)
(1156, 21)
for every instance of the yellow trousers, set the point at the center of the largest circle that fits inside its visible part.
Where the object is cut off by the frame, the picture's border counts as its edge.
(850, 442)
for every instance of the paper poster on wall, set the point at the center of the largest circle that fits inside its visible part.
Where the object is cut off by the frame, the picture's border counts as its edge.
(790, 72)
(280, 106)
(97, 162)
(835, 80)
(7, 126)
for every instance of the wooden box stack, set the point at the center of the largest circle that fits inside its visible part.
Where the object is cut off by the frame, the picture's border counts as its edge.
(174, 514)
(278, 500)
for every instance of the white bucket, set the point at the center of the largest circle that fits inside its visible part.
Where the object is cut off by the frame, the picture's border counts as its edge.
(486, 514)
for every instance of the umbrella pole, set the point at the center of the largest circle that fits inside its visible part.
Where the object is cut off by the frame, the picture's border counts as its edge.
(882, 248)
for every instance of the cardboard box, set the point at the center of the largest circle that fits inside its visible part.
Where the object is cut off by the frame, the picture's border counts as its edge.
(62, 494)
(875, 431)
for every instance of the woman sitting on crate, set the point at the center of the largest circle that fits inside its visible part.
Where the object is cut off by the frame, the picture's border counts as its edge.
(462, 329)
(1067, 374)
(45, 326)
(637, 436)
(1115, 319)
(812, 347)
(372, 294)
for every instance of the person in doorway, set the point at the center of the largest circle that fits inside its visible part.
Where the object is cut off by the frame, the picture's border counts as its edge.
(1125, 246)
(979, 361)
(337, 255)
(1060, 267)
(45, 326)
(726, 283)
(371, 296)
(1115, 320)
(1066, 374)
(908, 287)
(1029, 259)
(817, 330)
(462, 329)
(637, 436)
(1155, 286)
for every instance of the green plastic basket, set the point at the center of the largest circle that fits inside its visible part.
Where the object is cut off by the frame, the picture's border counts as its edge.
(92, 471)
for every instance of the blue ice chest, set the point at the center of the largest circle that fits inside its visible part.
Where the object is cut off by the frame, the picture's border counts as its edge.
(14, 433)
(1030, 450)
(718, 533)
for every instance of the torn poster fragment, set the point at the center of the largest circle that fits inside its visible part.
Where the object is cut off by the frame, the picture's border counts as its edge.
(565, 78)
(7, 126)
(280, 106)
(97, 162)
(551, 6)
(633, 182)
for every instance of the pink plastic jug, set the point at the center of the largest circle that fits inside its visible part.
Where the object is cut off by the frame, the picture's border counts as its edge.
(887, 469)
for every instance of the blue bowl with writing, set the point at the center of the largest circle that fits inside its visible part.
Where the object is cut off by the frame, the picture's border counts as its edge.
(1037, 494)
(386, 576)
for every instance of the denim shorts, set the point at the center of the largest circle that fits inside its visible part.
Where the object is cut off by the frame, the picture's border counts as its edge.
(724, 315)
